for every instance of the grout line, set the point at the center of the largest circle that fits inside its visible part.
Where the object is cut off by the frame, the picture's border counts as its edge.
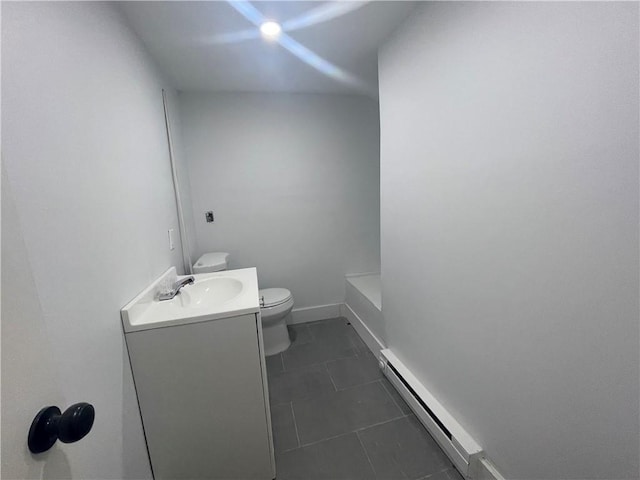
(316, 364)
(359, 385)
(297, 448)
(430, 475)
(325, 439)
(352, 431)
(366, 454)
(381, 423)
(330, 377)
(295, 424)
(336, 390)
(392, 398)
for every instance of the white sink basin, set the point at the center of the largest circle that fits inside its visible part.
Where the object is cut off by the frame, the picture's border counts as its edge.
(211, 296)
(209, 291)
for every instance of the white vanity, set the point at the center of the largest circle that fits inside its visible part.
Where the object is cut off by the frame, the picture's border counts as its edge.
(200, 377)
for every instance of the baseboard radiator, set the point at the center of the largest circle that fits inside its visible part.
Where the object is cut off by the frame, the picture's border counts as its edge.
(463, 451)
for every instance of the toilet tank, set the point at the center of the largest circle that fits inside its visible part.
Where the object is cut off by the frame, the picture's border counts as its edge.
(211, 262)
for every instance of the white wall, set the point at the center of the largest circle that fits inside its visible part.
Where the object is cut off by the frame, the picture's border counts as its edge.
(85, 150)
(28, 378)
(293, 181)
(509, 194)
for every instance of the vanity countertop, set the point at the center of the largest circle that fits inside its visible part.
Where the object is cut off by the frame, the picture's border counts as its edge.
(212, 296)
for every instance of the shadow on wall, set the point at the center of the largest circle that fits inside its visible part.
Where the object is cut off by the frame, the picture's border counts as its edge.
(55, 465)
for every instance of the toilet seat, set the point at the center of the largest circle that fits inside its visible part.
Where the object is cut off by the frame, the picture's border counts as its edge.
(211, 262)
(271, 297)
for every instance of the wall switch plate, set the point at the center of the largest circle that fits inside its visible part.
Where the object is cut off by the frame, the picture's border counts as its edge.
(172, 245)
(209, 216)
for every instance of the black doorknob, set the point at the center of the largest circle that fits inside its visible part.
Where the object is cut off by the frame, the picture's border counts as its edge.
(50, 425)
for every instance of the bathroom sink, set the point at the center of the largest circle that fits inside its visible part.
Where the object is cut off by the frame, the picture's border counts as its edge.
(212, 296)
(209, 291)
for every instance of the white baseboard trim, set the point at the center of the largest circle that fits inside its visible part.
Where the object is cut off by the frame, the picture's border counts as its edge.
(485, 470)
(369, 338)
(356, 275)
(311, 314)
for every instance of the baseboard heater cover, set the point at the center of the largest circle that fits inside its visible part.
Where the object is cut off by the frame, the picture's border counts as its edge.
(460, 447)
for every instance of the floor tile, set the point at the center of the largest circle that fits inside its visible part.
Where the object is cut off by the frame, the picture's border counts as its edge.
(299, 384)
(338, 327)
(335, 459)
(352, 371)
(454, 475)
(299, 334)
(319, 350)
(284, 428)
(450, 474)
(344, 432)
(344, 411)
(357, 342)
(274, 364)
(403, 449)
(406, 409)
(331, 328)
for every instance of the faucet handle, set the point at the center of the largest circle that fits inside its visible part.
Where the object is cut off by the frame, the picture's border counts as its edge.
(185, 281)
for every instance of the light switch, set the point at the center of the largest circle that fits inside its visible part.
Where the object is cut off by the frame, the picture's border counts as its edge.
(172, 245)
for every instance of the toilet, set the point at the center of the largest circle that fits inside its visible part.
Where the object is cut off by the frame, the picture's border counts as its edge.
(275, 305)
(275, 309)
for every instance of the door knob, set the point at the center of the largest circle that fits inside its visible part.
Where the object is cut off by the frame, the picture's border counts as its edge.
(50, 425)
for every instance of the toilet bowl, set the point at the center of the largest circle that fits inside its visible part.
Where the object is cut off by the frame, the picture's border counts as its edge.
(275, 305)
(275, 309)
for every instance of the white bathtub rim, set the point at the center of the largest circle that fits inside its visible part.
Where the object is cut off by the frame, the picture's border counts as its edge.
(374, 297)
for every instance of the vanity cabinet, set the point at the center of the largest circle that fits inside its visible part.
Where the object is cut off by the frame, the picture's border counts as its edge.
(204, 400)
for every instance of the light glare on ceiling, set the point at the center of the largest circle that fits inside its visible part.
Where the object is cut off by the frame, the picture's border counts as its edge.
(270, 29)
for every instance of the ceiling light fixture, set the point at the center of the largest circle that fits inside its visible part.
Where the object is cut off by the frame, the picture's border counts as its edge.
(270, 29)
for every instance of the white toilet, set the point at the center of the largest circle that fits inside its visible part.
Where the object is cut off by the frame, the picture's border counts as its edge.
(275, 305)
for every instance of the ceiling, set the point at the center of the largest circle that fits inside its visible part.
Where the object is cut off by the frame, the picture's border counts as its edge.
(215, 45)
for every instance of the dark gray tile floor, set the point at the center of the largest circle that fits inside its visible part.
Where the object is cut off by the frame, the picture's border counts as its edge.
(335, 416)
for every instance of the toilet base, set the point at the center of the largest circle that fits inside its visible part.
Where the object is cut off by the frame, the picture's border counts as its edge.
(275, 335)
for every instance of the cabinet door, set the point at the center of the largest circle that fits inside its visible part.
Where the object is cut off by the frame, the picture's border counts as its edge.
(201, 395)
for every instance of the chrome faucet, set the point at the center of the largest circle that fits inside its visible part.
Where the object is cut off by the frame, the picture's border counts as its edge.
(176, 288)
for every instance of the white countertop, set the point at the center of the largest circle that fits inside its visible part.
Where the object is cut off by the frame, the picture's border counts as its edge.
(145, 312)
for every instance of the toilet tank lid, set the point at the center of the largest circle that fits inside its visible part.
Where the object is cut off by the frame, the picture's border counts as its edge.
(274, 296)
(212, 260)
